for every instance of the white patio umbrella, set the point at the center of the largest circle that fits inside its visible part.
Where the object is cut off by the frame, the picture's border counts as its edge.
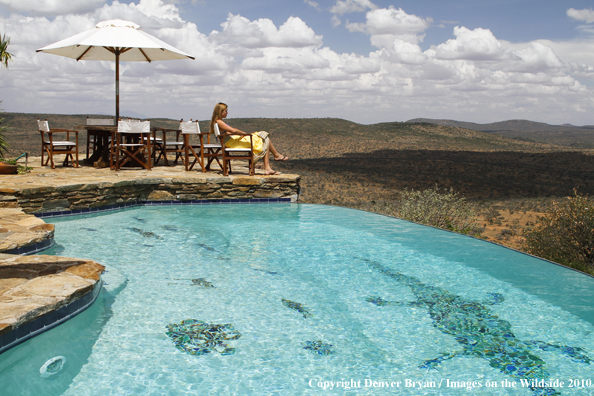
(115, 40)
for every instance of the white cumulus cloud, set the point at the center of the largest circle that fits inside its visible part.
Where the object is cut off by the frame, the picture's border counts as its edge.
(267, 69)
(537, 58)
(312, 3)
(52, 7)
(477, 44)
(391, 21)
(342, 7)
(262, 33)
(586, 15)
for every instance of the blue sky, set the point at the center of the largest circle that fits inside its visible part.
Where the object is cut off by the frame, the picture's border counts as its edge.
(512, 20)
(362, 60)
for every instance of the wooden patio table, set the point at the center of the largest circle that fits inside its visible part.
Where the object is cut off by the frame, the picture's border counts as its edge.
(102, 133)
(101, 155)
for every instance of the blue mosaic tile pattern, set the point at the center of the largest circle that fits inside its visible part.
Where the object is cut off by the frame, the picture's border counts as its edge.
(297, 307)
(479, 332)
(318, 347)
(203, 283)
(200, 338)
(146, 234)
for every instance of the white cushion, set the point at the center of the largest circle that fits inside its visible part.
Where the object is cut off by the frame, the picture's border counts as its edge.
(247, 150)
(61, 143)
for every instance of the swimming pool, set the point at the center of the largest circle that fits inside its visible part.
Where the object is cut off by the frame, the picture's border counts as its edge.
(302, 299)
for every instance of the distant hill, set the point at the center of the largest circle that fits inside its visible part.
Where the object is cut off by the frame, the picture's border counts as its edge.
(306, 137)
(565, 135)
(350, 164)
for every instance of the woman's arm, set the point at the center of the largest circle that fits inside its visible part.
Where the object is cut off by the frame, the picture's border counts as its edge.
(229, 129)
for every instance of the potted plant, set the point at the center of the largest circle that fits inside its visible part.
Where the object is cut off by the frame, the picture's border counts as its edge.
(8, 167)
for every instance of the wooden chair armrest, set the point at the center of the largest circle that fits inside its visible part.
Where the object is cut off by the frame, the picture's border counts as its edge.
(236, 134)
(62, 130)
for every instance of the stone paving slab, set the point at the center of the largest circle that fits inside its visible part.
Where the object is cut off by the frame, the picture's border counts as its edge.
(78, 178)
(18, 229)
(31, 286)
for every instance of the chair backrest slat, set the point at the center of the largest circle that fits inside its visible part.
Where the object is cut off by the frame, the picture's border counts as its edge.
(43, 125)
(217, 130)
(134, 126)
(189, 127)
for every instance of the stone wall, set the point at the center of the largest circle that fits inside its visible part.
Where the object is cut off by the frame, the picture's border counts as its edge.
(91, 195)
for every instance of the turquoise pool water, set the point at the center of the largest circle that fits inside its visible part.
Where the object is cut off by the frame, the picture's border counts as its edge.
(302, 299)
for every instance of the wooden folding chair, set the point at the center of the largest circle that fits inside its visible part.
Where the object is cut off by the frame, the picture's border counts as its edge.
(162, 146)
(229, 154)
(206, 150)
(131, 143)
(51, 146)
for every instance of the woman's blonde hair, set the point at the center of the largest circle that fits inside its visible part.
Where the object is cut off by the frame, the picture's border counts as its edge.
(217, 114)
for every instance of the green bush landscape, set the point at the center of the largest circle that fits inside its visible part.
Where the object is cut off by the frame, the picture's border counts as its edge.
(509, 182)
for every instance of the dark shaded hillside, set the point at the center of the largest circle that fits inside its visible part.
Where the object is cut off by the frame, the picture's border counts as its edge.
(357, 177)
(565, 135)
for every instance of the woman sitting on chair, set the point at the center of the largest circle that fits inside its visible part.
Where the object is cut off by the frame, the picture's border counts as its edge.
(234, 141)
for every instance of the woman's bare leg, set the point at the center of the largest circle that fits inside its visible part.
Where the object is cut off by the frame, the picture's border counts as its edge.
(267, 169)
(274, 151)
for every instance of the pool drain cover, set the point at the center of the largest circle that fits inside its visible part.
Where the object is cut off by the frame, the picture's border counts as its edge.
(52, 366)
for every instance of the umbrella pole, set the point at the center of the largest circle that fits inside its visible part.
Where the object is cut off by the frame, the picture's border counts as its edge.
(117, 87)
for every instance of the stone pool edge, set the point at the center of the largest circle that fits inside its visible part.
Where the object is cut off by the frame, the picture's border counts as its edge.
(41, 292)
(23, 231)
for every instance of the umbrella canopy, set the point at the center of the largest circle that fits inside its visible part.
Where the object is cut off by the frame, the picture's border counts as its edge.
(115, 40)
